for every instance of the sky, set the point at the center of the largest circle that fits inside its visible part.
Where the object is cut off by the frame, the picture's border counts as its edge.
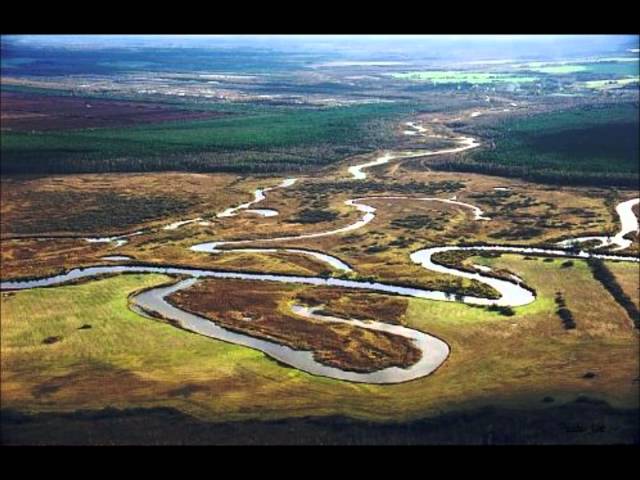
(361, 46)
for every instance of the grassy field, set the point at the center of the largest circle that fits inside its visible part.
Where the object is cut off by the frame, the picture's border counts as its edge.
(528, 214)
(627, 276)
(114, 142)
(603, 68)
(558, 69)
(610, 84)
(613, 68)
(453, 77)
(528, 361)
(136, 362)
(108, 203)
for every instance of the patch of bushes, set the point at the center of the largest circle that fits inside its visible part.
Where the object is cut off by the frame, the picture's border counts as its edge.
(517, 233)
(314, 216)
(417, 222)
(564, 313)
(502, 310)
(489, 254)
(367, 187)
(400, 242)
(51, 340)
(376, 248)
(72, 211)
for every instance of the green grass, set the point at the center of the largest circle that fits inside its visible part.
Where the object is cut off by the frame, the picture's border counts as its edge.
(127, 360)
(531, 349)
(456, 313)
(605, 84)
(454, 76)
(622, 69)
(561, 69)
(607, 68)
(527, 73)
(118, 336)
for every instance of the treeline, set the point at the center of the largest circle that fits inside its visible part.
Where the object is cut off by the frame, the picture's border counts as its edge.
(586, 145)
(243, 161)
(553, 177)
(608, 280)
(260, 142)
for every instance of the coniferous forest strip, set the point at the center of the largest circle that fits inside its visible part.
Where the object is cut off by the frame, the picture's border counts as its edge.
(280, 140)
(595, 145)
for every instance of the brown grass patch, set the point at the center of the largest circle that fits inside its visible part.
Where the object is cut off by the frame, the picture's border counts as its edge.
(108, 203)
(36, 258)
(260, 310)
(362, 306)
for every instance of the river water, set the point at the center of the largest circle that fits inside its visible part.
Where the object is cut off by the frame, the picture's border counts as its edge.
(434, 351)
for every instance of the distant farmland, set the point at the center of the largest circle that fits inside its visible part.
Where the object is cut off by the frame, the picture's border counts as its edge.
(445, 77)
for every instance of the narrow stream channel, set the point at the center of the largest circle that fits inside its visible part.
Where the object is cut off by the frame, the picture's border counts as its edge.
(434, 351)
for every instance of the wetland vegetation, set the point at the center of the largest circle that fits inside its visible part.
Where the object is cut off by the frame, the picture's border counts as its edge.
(444, 242)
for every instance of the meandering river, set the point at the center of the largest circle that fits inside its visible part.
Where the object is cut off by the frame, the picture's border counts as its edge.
(258, 196)
(466, 143)
(434, 351)
(628, 224)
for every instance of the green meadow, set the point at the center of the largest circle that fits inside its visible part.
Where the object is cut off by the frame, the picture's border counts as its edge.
(459, 76)
(126, 360)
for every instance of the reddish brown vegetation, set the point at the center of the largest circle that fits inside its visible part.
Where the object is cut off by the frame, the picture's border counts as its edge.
(25, 112)
(363, 306)
(35, 258)
(254, 309)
